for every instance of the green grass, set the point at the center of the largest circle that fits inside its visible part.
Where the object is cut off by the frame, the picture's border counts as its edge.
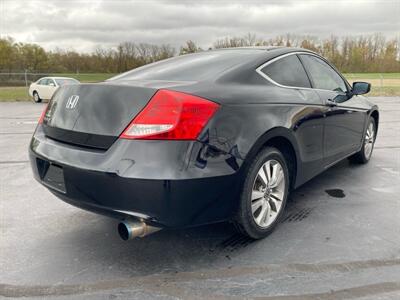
(14, 94)
(384, 91)
(372, 75)
(385, 84)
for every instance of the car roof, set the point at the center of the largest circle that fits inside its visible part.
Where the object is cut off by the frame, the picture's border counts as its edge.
(265, 52)
(207, 65)
(261, 48)
(57, 77)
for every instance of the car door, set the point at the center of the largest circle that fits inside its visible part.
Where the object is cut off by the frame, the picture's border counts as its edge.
(304, 110)
(41, 88)
(344, 115)
(44, 88)
(52, 87)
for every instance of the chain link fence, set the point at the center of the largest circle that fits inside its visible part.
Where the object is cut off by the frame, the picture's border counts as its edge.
(20, 78)
(382, 84)
(14, 85)
(25, 78)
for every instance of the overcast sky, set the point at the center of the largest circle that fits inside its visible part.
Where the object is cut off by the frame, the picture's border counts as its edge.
(85, 25)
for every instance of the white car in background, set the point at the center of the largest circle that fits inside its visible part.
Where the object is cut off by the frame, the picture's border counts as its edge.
(44, 88)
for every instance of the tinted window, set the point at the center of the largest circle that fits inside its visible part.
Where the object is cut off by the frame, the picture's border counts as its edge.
(287, 71)
(190, 67)
(43, 81)
(322, 74)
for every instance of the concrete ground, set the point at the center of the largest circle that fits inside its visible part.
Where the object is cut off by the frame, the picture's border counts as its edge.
(340, 237)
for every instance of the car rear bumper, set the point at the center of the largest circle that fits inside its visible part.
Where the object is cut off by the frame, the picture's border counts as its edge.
(170, 184)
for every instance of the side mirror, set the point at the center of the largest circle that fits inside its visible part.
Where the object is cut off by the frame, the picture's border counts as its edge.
(360, 88)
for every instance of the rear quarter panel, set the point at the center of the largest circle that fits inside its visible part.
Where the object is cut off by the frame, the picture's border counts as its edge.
(249, 113)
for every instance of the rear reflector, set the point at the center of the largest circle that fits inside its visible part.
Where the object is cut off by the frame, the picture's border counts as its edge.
(171, 115)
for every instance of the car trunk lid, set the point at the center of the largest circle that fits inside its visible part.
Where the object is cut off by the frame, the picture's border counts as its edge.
(94, 115)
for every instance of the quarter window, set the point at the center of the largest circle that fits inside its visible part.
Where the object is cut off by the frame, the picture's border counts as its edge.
(323, 76)
(287, 71)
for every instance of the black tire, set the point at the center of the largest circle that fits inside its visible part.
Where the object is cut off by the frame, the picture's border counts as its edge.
(245, 220)
(36, 97)
(362, 157)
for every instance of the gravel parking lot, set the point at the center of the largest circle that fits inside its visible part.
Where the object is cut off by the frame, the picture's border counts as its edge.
(340, 237)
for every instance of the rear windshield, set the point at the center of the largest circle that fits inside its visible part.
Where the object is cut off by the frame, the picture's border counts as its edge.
(190, 67)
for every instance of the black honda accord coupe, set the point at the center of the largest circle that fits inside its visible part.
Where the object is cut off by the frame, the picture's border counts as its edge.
(214, 136)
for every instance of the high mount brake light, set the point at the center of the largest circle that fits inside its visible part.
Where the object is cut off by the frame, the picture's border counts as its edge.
(171, 115)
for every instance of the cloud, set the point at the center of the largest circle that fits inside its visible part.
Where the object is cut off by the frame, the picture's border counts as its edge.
(85, 25)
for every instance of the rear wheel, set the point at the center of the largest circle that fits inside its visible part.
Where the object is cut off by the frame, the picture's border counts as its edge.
(364, 155)
(36, 97)
(264, 194)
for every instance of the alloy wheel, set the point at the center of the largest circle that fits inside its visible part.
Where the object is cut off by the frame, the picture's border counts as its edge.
(268, 193)
(36, 97)
(369, 140)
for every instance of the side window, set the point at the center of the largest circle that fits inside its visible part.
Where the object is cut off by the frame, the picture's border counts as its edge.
(287, 71)
(322, 74)
(50, 82)
(43, 81)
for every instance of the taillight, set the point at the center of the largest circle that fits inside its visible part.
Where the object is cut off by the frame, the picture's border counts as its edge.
(43, 114)
(171, 115)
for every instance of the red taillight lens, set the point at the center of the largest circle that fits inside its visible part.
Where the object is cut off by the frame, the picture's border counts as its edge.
(43, 114)
(171, 115)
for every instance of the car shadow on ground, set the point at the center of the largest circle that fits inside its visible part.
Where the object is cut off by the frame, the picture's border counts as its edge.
(97, 241)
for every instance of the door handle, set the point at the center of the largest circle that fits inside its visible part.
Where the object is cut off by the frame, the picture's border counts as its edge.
(331, 103)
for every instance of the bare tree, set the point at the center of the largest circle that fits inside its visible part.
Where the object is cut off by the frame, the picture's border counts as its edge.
(189, 47)
(350, 54)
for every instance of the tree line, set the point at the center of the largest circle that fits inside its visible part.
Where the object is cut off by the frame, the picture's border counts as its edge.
(372, 53)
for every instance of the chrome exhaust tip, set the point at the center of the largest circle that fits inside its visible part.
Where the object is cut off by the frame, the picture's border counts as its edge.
(130, 229)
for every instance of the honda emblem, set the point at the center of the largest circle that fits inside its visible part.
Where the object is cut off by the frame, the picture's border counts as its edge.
(72, 102)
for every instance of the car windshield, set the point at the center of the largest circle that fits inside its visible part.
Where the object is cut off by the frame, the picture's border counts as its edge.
(191, 67)
(66, 81)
